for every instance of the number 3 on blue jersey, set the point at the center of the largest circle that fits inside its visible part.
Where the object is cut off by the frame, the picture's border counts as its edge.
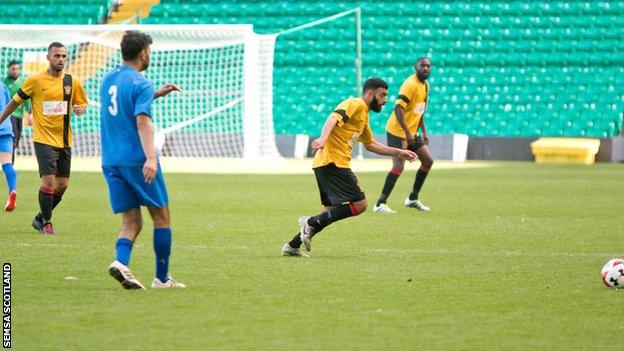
(112, 109)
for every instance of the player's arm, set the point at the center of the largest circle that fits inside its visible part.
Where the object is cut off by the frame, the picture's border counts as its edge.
(400, 116)
(330, 123)
(23, 94)
(79, 110)
(144, 126)
(373, 145)
(406, 93)
(79, 99)
(382, 149)
(339, 117)
(8, 110)
(165, 90)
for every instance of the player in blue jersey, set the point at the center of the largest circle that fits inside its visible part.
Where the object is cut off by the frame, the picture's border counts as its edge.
(6, 151)
(129, 161)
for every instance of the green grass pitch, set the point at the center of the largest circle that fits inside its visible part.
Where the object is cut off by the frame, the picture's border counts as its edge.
(509, 258)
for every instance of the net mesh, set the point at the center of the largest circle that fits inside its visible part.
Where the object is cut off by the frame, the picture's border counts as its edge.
(210, 63)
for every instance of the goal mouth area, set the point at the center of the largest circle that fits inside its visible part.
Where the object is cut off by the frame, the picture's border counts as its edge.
(224, 72)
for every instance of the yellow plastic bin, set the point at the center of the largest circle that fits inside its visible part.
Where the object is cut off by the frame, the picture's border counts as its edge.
(565, 150)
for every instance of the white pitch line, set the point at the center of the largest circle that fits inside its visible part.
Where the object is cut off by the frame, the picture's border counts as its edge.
(488, 253)
(240, 166)
(370, 250)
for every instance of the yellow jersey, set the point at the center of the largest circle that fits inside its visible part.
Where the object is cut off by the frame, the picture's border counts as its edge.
(413, 99)
(51, 127)
(352, 126)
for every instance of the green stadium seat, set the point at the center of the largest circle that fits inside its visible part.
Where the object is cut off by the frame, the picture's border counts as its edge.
(51, 12)
(497, 65)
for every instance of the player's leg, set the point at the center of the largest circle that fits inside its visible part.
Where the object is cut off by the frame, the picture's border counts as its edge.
(343, 194)
(154, 196)
(293, 247)
(61, 179)
(316, 224)
(60, 186)
(162, 248)
(161, 241)
(11, 178)
(345, 210)
(123, 201)
(54, 165)
(63, 170)
(6, 154)
(42, 221)
(46, 159)
(426, 163)
(46, 191)
(132, 223)
(17, 135)
(392, 177)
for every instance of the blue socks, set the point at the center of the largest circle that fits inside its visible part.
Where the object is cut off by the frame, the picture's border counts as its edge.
(162, 248)
(124, 248)
(11, 176)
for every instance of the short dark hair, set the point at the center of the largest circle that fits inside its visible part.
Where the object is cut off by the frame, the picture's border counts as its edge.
(374, 83)
(422, 58)
(13, 62)
(55, 44)
(132, 43)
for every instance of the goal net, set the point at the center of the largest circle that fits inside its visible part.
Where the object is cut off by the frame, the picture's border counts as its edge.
(224, 71)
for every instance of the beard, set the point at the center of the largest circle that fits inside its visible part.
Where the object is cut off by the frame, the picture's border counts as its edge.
(375, 105)
(145, 65)
(422, 76)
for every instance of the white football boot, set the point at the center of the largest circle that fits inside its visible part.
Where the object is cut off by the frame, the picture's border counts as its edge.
(122, 274)
(417, 205)
(305, 231)
(383, 208)
(171, 283)
(287, 250)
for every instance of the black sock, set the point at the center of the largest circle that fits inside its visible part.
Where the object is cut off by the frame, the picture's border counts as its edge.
(319, 222)
(418, 183)
(295, 243)
(391, 179)
(46, 200)
(57, 197)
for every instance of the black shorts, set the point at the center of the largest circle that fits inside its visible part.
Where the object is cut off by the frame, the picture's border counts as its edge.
(53, 160)
(337, 185)
(401, 143)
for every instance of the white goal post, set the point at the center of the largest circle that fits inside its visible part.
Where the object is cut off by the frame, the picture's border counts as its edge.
(225, 73)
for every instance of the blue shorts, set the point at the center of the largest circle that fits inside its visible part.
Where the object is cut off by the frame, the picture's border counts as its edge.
(6, 143)
(127, 188)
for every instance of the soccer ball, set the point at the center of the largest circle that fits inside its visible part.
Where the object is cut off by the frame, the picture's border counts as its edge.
(613, 273)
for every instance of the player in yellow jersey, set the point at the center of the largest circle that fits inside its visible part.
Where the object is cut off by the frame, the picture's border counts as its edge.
(340, 191)
(53, 96)
(402, 131)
